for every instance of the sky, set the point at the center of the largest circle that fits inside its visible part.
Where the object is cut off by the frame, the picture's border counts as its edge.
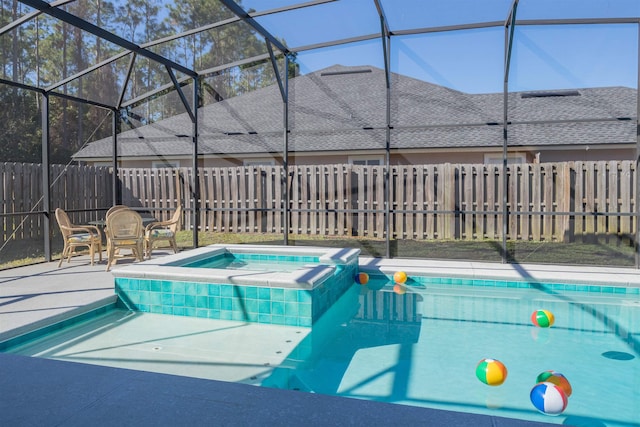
(472, 61)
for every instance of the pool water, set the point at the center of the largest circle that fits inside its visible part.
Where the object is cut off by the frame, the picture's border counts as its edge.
(420, 345)
(254, 262)
(416, 345)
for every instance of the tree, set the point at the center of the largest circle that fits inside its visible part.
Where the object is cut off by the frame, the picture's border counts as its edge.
(20, 136)
(44, 51)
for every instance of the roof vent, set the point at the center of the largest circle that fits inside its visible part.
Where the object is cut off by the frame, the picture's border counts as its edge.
(550, 94)
(339, 73)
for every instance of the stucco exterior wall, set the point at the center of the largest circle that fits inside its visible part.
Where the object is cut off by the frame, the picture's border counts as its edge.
(539, 155)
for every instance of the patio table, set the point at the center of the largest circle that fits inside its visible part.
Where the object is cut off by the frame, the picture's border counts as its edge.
(146, 220)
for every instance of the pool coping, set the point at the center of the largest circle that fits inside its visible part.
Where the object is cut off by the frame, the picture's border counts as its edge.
(531, 273)
(308, 277)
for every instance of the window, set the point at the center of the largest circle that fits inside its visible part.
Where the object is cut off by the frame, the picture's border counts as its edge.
(165, 164)
(102, 164)
(366, 160)
(494, 159)
(259, 162)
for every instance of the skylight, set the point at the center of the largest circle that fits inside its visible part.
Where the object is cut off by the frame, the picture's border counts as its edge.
(555, 93)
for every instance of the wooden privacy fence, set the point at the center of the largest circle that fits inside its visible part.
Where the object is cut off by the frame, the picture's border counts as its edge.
(547, 201)
(71, 187)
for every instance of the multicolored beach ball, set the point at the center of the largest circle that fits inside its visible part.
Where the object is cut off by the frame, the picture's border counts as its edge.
(542, 318)
(491, 372)
(548, 398)
(362, 278)
(556, 378)
(400, 277)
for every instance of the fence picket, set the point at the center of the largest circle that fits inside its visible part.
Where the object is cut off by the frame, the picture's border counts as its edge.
(513, 203)
(589, 199)
(304, 199)
(547, 220)
(348, 199)
(612, 197)
(409, 202)
(601, 198)
(523, 202)
(430, 188)
(277, 202)
(340, 200)
(626, 194)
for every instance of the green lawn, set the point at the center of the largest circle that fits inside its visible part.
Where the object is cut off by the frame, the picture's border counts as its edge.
(603, 252)
(600, 252)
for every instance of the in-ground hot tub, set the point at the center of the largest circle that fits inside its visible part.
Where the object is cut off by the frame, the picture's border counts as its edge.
(266, 284)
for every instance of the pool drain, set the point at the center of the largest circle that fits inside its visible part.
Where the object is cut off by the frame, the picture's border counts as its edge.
(157, 348)
(618, 355)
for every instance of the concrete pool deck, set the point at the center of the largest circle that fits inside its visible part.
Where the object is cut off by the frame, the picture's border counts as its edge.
(48, 392)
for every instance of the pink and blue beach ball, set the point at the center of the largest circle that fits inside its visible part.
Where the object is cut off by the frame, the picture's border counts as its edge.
(362, 278)
(542, 318)
(548, 398)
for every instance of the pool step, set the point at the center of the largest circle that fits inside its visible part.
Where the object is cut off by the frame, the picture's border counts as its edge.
(25, 333)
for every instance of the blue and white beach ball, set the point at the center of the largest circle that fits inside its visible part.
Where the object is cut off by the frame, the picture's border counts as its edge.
(548, 398)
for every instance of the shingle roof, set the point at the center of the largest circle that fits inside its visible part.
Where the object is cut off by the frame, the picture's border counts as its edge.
(343, 108)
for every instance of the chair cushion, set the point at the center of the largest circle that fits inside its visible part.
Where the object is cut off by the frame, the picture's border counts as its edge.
(127, 242)
(80, 238)
(160, 232)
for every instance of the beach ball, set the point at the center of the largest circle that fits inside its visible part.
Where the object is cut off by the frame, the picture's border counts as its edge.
(362, 278)
(542, 318)
(400, 277)
(556, 378)
(491, 372)
(399, 289)
(548, 398)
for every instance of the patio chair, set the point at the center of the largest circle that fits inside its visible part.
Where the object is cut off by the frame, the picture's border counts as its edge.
(124, 231)
(76, 236)
(111, 210)
(115, 208)
(163, 231)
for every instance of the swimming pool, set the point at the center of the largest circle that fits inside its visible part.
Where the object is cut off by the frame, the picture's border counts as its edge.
(253, 262)
(416, 345)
